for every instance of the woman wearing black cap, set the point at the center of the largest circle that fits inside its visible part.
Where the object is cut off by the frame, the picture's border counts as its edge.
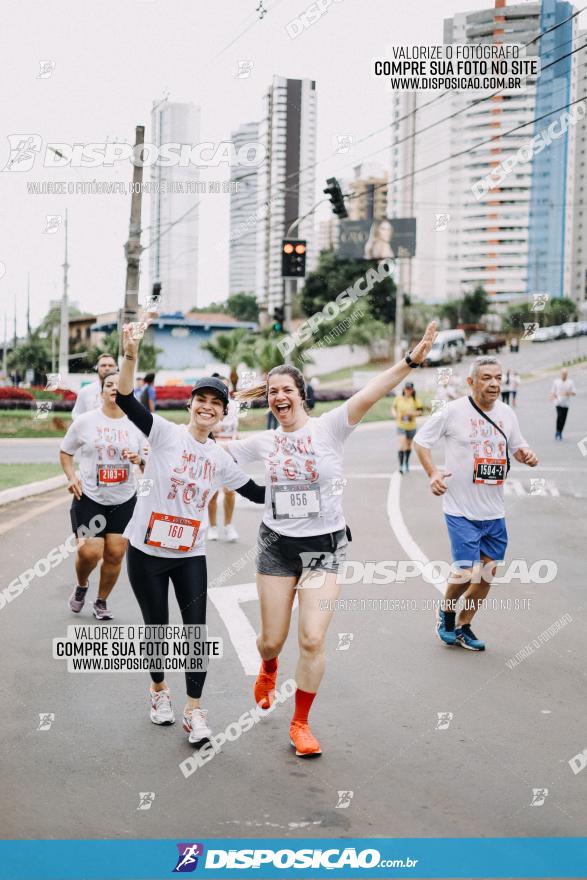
(166, 534)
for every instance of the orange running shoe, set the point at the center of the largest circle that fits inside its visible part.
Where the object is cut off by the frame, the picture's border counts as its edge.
(265, 688)
(303, 740)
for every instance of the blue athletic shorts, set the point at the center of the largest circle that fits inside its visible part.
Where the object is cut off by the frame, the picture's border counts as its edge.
(472, 538)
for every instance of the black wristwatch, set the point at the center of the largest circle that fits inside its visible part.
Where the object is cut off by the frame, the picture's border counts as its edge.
(412, 364)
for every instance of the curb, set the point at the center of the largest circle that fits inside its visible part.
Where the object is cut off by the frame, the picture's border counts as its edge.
(17, 493)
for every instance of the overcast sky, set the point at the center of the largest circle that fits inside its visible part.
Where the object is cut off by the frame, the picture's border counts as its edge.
(112, 59)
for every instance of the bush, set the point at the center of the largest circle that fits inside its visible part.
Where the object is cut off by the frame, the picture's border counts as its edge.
(173, 392)
(40, 393)
(11, 392)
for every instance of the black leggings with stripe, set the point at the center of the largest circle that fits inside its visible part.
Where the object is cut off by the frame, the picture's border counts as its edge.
(149, 578)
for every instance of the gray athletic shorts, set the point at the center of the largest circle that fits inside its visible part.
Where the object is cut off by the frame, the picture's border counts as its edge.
(288, 557)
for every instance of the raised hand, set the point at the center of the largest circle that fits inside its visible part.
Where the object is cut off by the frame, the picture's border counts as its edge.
(419, 352)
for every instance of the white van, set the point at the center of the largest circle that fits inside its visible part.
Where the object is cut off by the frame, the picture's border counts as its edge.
(572, 328)
(448, 348)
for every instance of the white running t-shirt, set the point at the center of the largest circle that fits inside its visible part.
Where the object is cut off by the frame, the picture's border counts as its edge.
(562, 391)
(106, 476)
(469, 436)
(185, 474)
(88, 399)
(302, 469)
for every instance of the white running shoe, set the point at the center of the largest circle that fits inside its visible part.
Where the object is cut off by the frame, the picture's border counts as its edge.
(230, 534)
(212, 534)
(161, 710)
(194, 723)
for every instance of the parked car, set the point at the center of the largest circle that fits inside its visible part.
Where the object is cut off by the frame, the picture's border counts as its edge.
(571, 328)
(542, 334)
(481, 343)
(448, 348)
(583, 328)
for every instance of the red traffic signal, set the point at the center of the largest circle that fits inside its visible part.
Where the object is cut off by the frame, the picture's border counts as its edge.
(293, 258)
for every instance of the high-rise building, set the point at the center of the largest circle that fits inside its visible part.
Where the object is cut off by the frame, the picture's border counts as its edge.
(513, 239)
(243, 208)
(549, 241)
(173, 256)
(369, 191)
(327, 235)
(286, 181)
(578, 226)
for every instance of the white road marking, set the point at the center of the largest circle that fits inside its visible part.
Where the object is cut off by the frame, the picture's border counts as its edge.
(227, 601)
(400, 530)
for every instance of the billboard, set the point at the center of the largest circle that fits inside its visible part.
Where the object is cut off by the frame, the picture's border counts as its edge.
(377, 239)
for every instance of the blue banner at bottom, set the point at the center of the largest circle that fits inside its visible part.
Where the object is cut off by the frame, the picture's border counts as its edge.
(379, 857)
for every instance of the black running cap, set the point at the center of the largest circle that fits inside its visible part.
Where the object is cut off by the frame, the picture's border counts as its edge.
(209, 383)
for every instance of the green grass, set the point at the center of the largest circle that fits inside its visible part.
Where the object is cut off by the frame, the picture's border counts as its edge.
(20, 424)
(346, 373)
(20, 474)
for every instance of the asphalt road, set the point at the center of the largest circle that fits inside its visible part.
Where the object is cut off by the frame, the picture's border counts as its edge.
(512, 730)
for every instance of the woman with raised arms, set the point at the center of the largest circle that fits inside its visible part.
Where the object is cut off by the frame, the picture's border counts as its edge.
(303, 535)
(166, 534)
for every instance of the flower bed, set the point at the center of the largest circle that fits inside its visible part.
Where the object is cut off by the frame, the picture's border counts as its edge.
(11, 392)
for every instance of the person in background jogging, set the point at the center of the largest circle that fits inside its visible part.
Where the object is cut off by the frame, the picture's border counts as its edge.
(303, 535)
(514, 385)
(167, 532)
(109, 444)
(226, 430)
(90, 396)
(561, 392)
(405, 408)
(480, 432)
(506, 387)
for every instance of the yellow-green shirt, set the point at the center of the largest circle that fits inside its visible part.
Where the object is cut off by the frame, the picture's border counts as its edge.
(404, 406)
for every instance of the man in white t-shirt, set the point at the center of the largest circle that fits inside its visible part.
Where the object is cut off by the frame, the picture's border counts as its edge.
(562, 391)
(480, 433)
(90, 396)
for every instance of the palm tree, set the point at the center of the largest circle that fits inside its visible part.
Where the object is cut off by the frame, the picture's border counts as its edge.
(233, 347)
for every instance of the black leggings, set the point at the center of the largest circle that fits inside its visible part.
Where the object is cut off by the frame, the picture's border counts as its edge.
(561, 417)
(149, 578)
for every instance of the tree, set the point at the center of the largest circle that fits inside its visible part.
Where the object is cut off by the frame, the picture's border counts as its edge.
(475, 305)
(34, 354)
(243, 307)
(561, 310)
(232, 347)
(53, 318)
(266, 355)
(556, 311)
(332, 276)
(467, 310)
(148, 351)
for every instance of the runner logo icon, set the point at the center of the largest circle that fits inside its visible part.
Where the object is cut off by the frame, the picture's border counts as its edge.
(187, 860)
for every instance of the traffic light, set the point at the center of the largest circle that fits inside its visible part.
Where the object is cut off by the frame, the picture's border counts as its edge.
(336, 198)
(293, 258)
(278, 319)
